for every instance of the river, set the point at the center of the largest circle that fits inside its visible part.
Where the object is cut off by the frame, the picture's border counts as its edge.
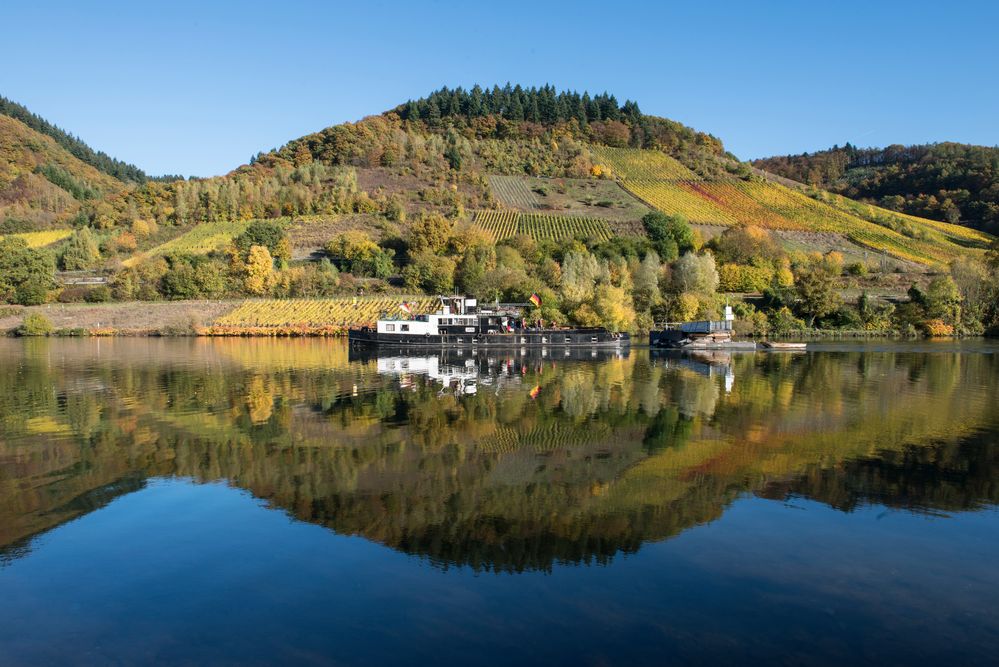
(253, 501)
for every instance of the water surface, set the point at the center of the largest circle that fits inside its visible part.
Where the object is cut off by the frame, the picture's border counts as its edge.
(261, 502)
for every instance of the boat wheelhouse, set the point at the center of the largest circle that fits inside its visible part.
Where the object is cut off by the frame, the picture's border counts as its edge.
(461, 322)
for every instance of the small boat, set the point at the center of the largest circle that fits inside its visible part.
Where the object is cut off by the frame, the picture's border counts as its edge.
(770, 345)
(461, 323)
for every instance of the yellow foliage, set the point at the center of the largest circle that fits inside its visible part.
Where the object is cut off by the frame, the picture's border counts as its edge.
(259, 270)
(42, 239)
(684, 308)
(938, 327)
(259, 401)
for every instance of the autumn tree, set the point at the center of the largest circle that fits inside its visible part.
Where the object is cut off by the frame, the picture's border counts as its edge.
(259, 278)
(815, 282)
(695, 274)
(270, 235)
(429, 232)
(429, 272)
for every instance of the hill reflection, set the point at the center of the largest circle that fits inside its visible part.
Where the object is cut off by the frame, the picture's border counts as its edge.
(495, 462)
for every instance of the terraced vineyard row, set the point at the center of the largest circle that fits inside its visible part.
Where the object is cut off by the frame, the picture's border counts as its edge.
(43, 238)
(505, 224)
(638, 164)
(512, 191)
(315, 313)
(200, 240)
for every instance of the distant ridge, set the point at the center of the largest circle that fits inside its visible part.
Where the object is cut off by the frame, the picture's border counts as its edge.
(949, 182)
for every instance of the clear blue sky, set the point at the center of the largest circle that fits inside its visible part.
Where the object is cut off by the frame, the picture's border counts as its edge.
(182, 88)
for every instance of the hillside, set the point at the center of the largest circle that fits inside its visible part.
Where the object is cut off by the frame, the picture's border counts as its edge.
(41, 182)
(949, 182)
(612, 216)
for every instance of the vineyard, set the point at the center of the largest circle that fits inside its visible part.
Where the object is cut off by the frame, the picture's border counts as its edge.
(200, 240)
(652, 177)
(540, 226)
(309, 316)
(513, 192)
(42, 239)
(885, 217)
(638, 164)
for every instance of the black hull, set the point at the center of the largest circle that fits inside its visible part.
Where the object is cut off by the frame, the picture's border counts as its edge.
(543, 338)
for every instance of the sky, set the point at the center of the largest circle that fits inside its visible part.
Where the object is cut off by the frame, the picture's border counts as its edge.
(197, 88)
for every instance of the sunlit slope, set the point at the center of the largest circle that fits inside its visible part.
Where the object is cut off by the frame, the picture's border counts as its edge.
(42, 182)
(654, 178)
(200, 240)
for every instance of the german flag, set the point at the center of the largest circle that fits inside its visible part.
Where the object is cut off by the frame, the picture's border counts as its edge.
(536, 300)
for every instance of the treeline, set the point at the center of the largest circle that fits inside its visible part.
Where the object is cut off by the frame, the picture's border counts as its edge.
(97, 159)
(513, 111)
(950, 182)
(538, 105)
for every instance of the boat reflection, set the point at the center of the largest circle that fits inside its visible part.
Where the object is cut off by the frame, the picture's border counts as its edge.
(461, 371)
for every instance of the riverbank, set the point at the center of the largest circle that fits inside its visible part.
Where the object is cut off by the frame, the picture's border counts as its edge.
(255, 318)
(135, 318)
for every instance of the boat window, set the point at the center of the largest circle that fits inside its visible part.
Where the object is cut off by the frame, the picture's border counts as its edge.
(459, 340)
(403, 327)
(593, 339)
(523, 340)
(389, 327)
(568, 340)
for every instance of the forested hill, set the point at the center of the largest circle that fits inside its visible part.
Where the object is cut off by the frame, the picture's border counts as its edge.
(950, 182)
(74, 145)
(515, 111)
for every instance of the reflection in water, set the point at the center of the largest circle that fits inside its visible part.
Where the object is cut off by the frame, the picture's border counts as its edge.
(497, 461)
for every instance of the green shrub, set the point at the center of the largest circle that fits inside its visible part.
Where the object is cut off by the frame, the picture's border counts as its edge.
(99, 294)
(857, 269)
(35, 324)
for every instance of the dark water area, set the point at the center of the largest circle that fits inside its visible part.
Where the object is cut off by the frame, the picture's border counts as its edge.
(260, 502)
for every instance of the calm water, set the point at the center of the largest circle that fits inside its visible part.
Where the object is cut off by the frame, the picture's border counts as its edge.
(281, 502)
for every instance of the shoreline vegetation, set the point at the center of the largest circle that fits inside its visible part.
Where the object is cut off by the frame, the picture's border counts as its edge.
(247, 318)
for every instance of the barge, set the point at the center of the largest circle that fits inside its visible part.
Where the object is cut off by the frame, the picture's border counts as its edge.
(700, 335)
(461, 323)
